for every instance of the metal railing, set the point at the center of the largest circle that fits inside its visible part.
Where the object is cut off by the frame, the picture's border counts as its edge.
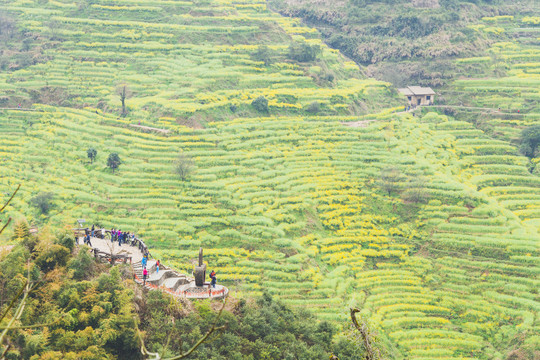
(102, 233)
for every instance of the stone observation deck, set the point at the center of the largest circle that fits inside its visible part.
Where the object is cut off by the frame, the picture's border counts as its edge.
(166, 279)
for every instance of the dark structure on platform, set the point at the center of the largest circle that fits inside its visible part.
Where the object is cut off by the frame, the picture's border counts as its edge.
(200, 271)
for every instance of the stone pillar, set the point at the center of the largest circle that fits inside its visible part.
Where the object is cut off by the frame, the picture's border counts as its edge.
(200, 271)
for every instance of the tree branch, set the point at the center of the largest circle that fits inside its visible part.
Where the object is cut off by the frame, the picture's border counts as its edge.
(6, 204)
(13, 302)
(213, 329)
(364, 332)
(5, 226)
(34, 326)
(18, 312)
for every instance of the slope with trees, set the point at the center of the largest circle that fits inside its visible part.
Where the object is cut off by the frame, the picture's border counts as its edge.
(403, 42)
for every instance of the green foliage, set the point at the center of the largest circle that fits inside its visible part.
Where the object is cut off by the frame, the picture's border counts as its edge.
(86, 319)
(113, 161)
(52, 256)
(314, 107)
(12, 274)
(304, 52)
(91, 153)
(530, 141)
(402, 42)
(263, 54)
(260, 104)
(66, 239)
(83, 265)
(21, 234)
(43, 201)
(266, 329)
(408, 26)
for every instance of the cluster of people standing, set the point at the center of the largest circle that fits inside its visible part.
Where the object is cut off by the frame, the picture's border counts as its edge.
(122, 237)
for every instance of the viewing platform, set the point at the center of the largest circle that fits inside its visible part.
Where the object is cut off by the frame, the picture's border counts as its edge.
(166, 279)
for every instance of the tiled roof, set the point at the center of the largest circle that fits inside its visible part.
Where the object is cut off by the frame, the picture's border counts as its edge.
(416, 90)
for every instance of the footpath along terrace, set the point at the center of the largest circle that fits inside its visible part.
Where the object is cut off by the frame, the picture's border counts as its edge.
(164, 279)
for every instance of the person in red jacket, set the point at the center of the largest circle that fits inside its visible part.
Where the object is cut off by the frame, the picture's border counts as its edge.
(214, 279)
(144, 275)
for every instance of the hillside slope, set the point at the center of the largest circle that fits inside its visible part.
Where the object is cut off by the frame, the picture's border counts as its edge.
(401, 41)
(400, 216)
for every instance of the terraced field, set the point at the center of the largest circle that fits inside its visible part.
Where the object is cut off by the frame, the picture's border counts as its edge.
(506, 78)
(428, 224)
(180, 58)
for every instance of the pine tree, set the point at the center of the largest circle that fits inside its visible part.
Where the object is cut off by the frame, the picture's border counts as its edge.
(21, 231)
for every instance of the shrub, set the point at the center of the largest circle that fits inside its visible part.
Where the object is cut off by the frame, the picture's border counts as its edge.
(303, 52)
(314, 107)
(263, 54)
(260, 104)
(43, 201)
(66, 239)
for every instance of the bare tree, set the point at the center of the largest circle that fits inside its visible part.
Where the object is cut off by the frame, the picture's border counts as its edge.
(183, 166)
(391, 179)
(125, 93)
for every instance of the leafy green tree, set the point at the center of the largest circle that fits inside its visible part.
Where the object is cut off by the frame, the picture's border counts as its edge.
(43, 201)
(83, 265)
(530, 139)
(65, 239)
(92, 153)
(260, 104)
(114, 161)
(52, 256)
(263, 54)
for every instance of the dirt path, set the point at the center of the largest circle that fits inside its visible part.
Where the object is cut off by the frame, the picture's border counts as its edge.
(495, 111)
(148, 128)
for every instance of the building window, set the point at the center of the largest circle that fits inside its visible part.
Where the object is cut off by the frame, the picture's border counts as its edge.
(428, 97)
(419, 101)
(408, 97)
